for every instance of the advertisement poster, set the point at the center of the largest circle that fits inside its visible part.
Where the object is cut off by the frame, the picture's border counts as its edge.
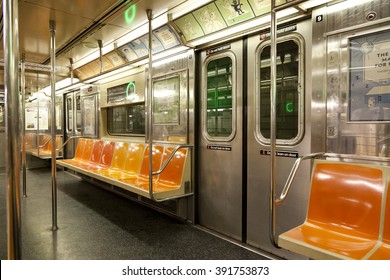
(369, 78)
(235, 11)
(32, 119)
(138, 48)
(89, 116)
(209, 18)
(156, 44)
(166, 101)
(165, 35)
(189, 26)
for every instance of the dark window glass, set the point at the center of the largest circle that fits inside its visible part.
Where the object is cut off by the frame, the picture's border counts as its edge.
(219, 97)
(126, 120)
(287, 95)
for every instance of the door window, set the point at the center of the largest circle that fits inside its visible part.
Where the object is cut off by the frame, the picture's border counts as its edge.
(289, 93)
(69, 114)
(219, 110)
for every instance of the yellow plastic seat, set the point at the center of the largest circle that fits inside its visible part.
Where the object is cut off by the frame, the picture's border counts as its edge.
(141, 179)
(132, 164)
(343, 218)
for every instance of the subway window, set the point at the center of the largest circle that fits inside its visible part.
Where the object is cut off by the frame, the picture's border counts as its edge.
(78, 113)
(69, 114)
(126, 120)
(289, 94)
(219, 109)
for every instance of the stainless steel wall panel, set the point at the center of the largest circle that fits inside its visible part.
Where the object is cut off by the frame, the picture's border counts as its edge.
(339, 17)
(363, 138)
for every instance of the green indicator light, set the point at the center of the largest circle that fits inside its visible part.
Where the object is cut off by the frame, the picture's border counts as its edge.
(289, 107)
(130, 88)
(130, 14)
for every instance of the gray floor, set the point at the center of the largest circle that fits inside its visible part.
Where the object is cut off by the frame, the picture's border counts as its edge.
(96, 224)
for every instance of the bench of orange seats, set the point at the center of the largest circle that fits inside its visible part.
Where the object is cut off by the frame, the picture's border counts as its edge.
(126, 165)
(345, 214)
(45, 145)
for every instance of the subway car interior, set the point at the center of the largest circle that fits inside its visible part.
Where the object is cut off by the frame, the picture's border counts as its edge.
(195, 129)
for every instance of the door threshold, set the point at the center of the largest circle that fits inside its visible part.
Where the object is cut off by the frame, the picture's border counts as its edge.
(239, 243)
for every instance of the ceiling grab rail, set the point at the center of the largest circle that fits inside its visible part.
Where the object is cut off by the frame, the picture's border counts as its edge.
(150, 124)
(272, 219)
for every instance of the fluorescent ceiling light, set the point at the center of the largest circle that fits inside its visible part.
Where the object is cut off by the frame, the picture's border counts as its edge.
(188, 6)
(117, 74)
(59, 85)
(169, 59)
(69, 88)
(313, 3)
(346, 5)
(133, 34)
(286, 12)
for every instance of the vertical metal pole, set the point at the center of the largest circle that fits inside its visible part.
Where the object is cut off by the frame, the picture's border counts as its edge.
(273, 125)
(38, 121)
(53, 124)
(11, 77)
(100, 43)
(23, 89)
(150, 107)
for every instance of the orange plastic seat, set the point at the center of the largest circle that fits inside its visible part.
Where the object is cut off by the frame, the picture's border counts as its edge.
(87, 152)
(43, 143)
(80, 149)
(105, 157)
(45, 150)
(45, 146)
(343, 218)
(141, 180)
(85, 156)
(30, 141)
(383, 252)
(95, 155)
(83, 152)
(118, 161)
(172, 175)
